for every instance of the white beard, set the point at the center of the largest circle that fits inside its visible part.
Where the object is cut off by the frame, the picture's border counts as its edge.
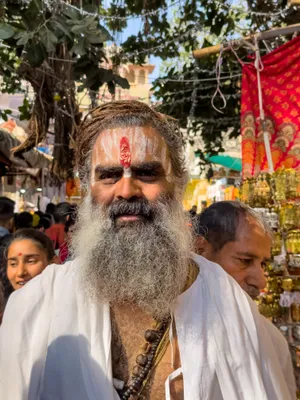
(141, 262)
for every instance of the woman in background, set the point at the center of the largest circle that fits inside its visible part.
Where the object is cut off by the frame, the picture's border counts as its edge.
(28, 254)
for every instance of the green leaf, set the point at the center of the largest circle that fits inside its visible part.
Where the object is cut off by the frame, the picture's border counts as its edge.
(62, 28)
(79, 48)
(79, 29)
(6, 31)
(71, 12)
(106, 75)
(7, 111)
(4, 116)
(104, 35)
(111, 88)
(24, 39)
(121, 82)
(36, 54)
(48, 39)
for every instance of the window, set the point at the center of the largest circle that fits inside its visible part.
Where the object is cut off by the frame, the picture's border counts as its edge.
(130, 76)
(142, 77)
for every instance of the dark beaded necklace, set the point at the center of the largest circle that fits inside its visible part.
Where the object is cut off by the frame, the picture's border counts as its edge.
(153, 349)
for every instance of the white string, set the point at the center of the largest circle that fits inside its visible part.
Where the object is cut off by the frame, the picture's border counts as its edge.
(155, 12)
(259, 68)
(199, 80)
(256, 13)
(218, 90)
(171, 337)
(107, 17)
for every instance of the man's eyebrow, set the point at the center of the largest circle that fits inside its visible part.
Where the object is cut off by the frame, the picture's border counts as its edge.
(100, 169)
(147, 166)
(246, 254)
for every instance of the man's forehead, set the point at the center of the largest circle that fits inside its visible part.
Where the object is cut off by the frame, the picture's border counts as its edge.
(143, 144)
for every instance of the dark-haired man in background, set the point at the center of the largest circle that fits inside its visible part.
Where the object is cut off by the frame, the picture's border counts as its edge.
(237, 238)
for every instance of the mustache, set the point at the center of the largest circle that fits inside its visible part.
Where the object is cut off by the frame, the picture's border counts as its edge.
(140, 207)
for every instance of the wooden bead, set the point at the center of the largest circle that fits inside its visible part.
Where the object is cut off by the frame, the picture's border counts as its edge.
(151, 335)
(141, 359)
(137, 370)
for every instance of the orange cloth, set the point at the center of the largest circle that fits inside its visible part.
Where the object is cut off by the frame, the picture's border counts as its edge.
(57, 234)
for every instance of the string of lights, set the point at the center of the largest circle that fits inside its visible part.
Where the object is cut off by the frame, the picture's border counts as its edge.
(282, 12)
(286, 9)
(194, 98)
(114, 18)
(199, 80)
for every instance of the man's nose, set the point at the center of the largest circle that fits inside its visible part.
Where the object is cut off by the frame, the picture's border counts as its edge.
(127, 188)
(260, 277)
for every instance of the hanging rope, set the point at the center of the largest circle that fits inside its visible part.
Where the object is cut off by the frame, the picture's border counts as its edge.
(259, 68)
(218, 90)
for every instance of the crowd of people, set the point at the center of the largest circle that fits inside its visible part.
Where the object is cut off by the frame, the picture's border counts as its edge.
(29, 242)
(149, 306)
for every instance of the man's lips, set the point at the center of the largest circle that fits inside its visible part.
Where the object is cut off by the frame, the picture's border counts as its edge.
(129, 218)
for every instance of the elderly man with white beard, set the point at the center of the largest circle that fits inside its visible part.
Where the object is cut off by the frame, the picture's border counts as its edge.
(136, 315)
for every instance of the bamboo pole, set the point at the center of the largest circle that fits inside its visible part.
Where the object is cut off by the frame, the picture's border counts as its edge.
(294, 3)
(260, 36)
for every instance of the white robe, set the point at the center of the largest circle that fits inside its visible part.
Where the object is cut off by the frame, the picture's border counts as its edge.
(54, 345)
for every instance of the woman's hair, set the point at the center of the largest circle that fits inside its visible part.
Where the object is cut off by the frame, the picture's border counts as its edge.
(39, 238)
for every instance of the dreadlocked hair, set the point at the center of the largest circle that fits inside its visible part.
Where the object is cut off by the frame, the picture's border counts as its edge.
(127, 114)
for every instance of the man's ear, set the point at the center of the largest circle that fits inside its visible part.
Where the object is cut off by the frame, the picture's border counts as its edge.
(200, 245)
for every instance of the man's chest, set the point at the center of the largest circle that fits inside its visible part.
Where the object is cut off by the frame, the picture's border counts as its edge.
(127, 349)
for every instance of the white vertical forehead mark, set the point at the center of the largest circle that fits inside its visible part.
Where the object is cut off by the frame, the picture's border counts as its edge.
(143, 147)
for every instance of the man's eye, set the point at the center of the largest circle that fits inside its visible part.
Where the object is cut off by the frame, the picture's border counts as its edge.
(31, 261)
(109, 181)
(147, 175)
(246, 261)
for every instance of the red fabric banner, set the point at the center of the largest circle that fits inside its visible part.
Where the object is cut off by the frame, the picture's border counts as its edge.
(280, 80)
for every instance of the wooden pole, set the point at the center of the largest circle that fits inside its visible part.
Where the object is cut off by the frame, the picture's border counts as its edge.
(260, 36)
(294, 3)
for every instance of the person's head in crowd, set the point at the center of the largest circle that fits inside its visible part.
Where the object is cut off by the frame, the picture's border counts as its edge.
(193, 211)
(6, 215)
(62, 214)
(44, 224)
(28, 254)
(23, 220)
(203, 205)
(132, 237)
(50, 209)
(69, 229)
(236, 237)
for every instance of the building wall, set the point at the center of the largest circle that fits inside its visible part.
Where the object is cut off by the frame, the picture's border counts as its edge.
(140, 86)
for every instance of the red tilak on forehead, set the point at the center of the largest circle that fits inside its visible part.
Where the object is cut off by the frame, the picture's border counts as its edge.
(19, 255)
(125, 154)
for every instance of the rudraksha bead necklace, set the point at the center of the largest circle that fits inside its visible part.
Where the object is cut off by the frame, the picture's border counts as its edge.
(154, 348)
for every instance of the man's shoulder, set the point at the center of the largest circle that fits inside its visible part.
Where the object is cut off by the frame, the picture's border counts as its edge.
(277, 337)
(43, 285)
(209, 269)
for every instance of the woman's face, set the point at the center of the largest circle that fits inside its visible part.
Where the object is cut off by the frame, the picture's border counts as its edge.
(25, 260)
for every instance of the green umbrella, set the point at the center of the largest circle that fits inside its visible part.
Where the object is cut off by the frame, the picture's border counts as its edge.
(234, 163)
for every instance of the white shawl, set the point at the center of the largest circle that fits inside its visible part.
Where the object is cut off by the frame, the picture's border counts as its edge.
(54, 345)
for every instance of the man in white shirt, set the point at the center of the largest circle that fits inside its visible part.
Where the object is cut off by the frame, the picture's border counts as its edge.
(136, 315)
(237, 238)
